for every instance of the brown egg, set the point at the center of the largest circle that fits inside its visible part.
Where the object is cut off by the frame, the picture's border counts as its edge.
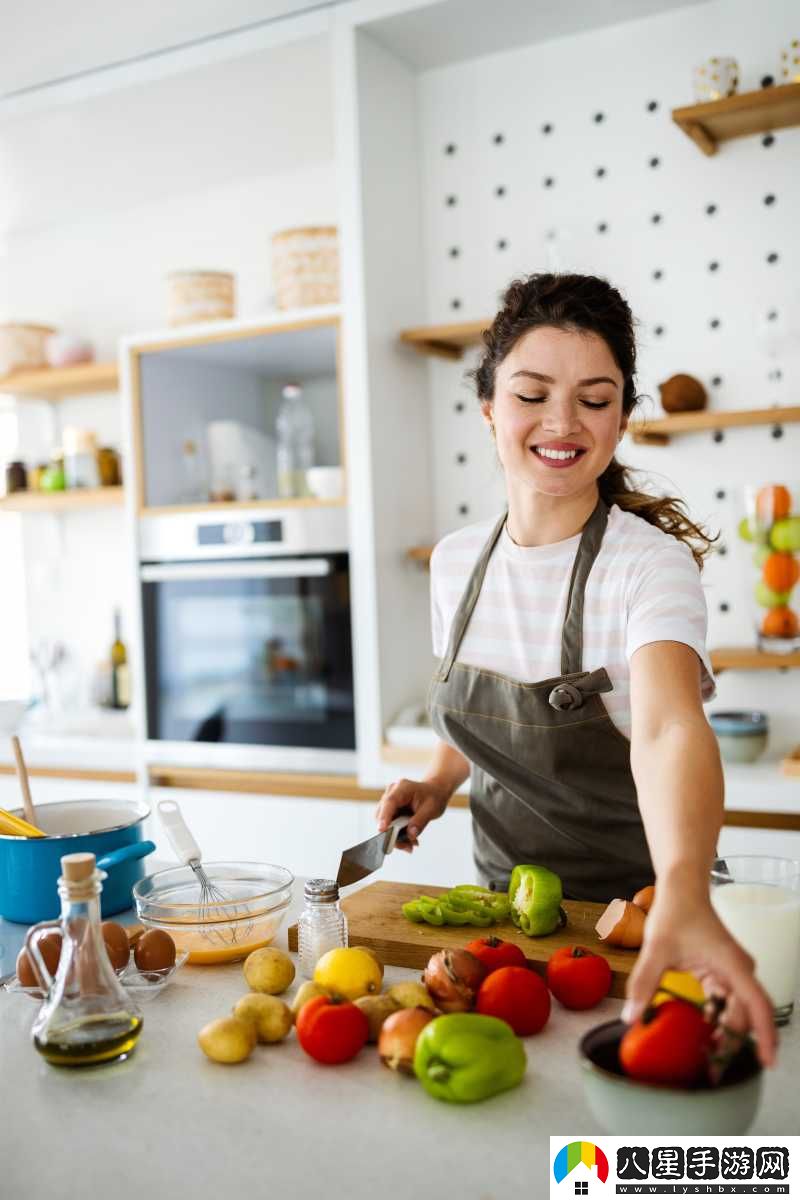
(154, 951)
(50, 949)
(117, 944)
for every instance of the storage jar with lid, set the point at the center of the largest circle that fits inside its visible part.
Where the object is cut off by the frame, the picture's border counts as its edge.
(80, 458)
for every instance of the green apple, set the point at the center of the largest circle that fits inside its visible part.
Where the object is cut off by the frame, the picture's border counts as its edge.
(745, 530)
(760, 555)
(52, 480)
(767, 598)
(785, 535)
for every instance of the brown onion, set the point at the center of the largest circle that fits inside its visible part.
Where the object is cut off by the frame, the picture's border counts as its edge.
(398, 1038)
(453, 977)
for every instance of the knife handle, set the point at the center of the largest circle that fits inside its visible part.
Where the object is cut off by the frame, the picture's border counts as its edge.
(395, 831)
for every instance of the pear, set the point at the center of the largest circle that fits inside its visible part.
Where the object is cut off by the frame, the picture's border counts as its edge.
(307, 991)
(411, 994)
(376, 1009)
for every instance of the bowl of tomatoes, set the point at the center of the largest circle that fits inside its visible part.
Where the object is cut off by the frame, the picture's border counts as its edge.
(670, 1073)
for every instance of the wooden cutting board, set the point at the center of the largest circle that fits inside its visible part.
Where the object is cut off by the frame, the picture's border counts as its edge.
(375, 920)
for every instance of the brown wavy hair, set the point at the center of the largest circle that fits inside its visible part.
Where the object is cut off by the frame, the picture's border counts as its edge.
(587, 303)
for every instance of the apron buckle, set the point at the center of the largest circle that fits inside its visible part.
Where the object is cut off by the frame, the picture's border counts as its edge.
(565, 697)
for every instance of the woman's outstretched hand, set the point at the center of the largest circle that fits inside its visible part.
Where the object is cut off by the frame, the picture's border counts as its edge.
(684, 933)
(426, 800)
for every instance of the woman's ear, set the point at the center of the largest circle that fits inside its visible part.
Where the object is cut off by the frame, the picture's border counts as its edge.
(623, 425)
(487, 411)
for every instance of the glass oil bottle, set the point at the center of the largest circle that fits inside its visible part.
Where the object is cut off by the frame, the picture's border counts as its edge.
(87, 1017)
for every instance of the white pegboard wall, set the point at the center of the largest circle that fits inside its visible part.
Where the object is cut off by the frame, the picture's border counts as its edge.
(564, 155)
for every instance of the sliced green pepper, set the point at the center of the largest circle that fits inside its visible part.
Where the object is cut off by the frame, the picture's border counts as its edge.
(464, 1057)
(535, 895)
(463, 905)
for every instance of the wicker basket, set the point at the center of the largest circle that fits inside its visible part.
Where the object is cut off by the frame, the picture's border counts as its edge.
(200, 296)
(22, 346)
(305, 266)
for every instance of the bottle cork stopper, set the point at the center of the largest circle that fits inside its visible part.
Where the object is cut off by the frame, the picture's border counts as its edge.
(76, 867)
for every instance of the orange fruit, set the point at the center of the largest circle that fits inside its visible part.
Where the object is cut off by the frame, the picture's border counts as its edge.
(780, 622)
(772, 503)
(780, 572)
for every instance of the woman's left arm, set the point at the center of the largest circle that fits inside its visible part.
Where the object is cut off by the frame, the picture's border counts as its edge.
(679, 782)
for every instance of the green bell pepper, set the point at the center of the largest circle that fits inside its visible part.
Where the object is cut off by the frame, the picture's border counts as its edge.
(535, 895)
(462, 905)
(464, 1057)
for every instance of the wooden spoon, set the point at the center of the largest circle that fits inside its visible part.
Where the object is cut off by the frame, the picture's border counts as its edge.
(22, 775)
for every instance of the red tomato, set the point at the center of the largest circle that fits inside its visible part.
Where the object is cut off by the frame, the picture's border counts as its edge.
(517, 995)
(578, 977)
(670, 1044)
(330, 1030)
(494, 953)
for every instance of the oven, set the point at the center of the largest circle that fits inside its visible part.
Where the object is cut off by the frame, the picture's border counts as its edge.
(246, 636)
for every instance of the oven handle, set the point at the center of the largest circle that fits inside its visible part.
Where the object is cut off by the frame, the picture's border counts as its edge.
(280, 568)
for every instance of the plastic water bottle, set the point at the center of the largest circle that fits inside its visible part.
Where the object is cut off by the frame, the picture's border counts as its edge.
(295, 430)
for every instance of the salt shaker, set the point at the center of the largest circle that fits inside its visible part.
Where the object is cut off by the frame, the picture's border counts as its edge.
(322, 925)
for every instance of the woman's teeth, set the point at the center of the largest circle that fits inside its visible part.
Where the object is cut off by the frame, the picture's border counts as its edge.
(540, 450)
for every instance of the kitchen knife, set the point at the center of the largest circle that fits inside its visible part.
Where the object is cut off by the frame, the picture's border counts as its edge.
(361, 860)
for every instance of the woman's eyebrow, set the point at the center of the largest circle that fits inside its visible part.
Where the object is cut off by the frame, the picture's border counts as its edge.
(581, 382)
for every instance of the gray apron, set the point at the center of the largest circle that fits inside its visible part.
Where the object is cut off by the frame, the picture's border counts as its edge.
(551, 779)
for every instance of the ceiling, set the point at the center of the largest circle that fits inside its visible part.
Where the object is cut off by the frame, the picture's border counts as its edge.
(41, 45)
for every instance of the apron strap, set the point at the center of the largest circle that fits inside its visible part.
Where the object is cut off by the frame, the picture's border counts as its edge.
(469, 600)
(572, 629)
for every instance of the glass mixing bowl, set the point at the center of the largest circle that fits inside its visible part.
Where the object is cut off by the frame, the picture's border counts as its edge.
(245, 912)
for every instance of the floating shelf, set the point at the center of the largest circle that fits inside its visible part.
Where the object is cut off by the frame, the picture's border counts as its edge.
(747, 658)
(239, 505)
(67, 501)
(54, 383)
(659, 431)
(445, 341)
(740, 116)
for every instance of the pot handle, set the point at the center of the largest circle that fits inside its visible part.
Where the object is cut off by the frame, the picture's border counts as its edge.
(34, 954)
(125, 854)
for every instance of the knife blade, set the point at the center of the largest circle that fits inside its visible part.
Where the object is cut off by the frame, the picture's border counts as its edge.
(359, 861)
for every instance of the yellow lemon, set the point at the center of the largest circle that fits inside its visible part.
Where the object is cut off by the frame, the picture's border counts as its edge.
(351, 973)
(682, 984)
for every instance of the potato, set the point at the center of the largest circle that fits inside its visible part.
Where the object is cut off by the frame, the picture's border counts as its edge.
(227, 1040)
(271, 1018)
(268, 970)
(411, 994)
(307, 991)
(376, 1009)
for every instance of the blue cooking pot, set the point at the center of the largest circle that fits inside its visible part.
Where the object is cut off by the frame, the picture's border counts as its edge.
(30, 867)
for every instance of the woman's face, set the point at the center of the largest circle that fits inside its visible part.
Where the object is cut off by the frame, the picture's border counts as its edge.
(557, 411)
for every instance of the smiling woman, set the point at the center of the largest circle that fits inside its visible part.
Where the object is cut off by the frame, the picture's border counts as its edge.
(570, 633)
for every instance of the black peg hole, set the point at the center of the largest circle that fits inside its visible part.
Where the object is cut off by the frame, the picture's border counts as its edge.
(658, 274)
(459, 406)
(463, 510)
(659, 331)
(455, 304)
(656, 218)
(713, 265)
(719, 494)
(777, 431)
(547, 128)
(724, 606)
(769, 199)
(716, 380)
(768, 140)
(718, 436)
(772, 257)
(454, 251)
(772, 315)
(710, 210)
(652, 106)
(500, 191)
(461, 459)
(655, 162)
(602, 227)
(450, 148)
(498, 139)
(714, 323)
(722, 551)
(599, 118)
(502, 244)
(767, 80)
(600, 172)
(451, 201)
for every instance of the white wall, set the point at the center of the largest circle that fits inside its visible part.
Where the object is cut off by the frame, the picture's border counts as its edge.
(100, 200)
(565, 82)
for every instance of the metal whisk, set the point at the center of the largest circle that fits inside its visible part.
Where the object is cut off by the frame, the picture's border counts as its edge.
(214, 904)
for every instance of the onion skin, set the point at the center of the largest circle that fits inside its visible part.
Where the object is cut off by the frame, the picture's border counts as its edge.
(398, 1038)
(622, 924)
(644, 898)
(453, 977)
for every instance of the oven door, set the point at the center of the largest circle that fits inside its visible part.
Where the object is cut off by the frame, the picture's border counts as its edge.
(249, 652)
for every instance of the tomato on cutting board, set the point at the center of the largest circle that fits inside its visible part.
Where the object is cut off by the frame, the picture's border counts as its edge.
(493, 952)
(331, 1030)
(669, 1044)
(577, 977)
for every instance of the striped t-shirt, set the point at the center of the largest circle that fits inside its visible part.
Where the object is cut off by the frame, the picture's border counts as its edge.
(644, 587)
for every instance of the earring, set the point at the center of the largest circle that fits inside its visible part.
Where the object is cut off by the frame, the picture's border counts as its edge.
(491, 428)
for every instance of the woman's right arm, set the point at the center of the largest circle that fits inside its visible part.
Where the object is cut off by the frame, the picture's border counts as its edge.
(428, 797)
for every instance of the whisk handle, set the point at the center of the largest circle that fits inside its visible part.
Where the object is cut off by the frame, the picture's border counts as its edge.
(178, 833)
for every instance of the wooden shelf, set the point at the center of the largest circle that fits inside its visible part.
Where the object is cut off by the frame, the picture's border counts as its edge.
(746, 658)
(262, 783)
(239, 505)
(445, 341)
(740, 116)
(658, 432)
(67, 501)
(54, 383)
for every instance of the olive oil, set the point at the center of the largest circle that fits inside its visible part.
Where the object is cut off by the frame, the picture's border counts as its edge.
(89, 1040)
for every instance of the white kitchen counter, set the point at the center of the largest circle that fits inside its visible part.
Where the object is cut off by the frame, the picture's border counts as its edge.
(169, 1122)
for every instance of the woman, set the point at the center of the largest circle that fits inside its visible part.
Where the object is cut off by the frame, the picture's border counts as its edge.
(584, 589)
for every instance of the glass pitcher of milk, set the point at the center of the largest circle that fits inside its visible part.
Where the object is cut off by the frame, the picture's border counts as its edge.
(757, 898)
